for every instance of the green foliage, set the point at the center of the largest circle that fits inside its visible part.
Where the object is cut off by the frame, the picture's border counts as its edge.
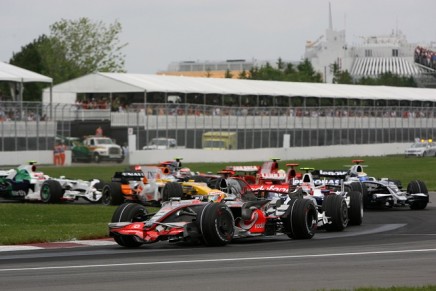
(91, 46)
(30, 58)
(228, 74)
(72, 49)
(284, 72)
(399, 167)
(243, 74)
(388, 79)
(385, 79)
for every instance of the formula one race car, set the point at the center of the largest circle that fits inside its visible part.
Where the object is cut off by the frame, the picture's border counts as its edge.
(132, 186)
(214, 222)
(151, 185)
(341, 202)
(26, 184)
(387, 192)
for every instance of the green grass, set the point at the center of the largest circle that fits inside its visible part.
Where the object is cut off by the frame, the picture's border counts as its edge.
(36, 222)
(395, 167)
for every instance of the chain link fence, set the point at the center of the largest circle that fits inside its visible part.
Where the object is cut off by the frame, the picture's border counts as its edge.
(34, 126)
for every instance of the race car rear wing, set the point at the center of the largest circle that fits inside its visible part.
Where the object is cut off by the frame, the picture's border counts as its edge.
(127, 176)
(338, 174)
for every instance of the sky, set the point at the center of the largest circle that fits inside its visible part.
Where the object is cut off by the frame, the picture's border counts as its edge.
(158, 32)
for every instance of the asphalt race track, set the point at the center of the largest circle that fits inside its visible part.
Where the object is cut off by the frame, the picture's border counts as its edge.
(392, 247)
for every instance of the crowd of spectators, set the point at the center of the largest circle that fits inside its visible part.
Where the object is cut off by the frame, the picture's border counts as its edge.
(115, 105)
(15, 114)
(425, 57)
(205, 110)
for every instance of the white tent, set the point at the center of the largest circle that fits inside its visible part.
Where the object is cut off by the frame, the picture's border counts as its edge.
(16, 74)
(11, 73)
(123, 83)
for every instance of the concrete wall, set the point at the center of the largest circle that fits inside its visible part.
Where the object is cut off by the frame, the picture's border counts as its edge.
(23, 157)
(199, 156)
(288, 154)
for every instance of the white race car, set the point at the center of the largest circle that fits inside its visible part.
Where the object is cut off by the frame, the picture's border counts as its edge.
(25, 183)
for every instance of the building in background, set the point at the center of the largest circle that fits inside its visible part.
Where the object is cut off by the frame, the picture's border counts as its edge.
(375, 55)
(214, 69)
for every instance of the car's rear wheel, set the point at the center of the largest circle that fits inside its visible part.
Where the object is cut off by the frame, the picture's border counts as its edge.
(360, 187)
(51, 191)
(335, 207)
(216, 224)
(129, 212)
(302, 219)
(417, 186)
(112, 194)
(172, 190)
(355, 212)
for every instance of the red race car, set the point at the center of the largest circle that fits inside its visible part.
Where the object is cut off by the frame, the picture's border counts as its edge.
(215, 222)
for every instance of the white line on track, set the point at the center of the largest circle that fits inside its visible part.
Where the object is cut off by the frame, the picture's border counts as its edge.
(220, 260)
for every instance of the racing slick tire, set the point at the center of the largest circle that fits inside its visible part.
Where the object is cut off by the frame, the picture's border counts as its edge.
(112, 194)
(51, 191)
(301, 220)
(355, 212)
(129, 212)
(216, 224)
(417, 186)
(360, 187)
(170, 190)
(336, 208)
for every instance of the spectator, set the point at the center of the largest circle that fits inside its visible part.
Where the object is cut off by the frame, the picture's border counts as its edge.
(99, 131)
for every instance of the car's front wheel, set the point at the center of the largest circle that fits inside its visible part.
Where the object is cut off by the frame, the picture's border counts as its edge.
(302, 219)
(355, 212)
(172, 189)
(112, 194)
(51, 191)
(335, 207)
(216, 224)
(129, 212)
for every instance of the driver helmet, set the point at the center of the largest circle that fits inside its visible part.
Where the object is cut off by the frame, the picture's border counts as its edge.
(184, 172)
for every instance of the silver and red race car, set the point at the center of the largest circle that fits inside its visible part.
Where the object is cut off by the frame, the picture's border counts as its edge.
(215, 221)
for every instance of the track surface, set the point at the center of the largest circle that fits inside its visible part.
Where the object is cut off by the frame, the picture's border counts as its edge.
(392, 247)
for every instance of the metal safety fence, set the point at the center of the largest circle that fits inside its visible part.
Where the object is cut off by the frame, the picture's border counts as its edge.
(34, 126)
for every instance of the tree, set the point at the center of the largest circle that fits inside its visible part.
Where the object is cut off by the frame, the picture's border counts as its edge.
(243, 75)
(341, 77)
(228, 74)
(86, 46)
(306, 73)
(72, 49)
(30, 58)
(388, 79)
